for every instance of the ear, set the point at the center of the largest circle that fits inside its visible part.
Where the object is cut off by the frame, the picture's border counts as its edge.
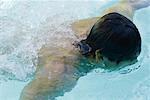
(82, 27)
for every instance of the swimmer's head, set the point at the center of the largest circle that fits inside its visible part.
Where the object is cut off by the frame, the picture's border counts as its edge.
(116, 38)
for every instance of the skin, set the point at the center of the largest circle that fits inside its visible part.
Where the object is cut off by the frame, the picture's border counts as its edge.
(55, 72)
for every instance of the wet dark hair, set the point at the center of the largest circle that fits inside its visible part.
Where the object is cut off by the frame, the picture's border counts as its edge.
(116, 37)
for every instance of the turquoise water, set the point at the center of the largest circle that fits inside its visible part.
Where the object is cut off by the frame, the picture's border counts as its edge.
(25, 26)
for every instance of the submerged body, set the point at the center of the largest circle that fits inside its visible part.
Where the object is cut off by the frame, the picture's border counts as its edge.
(57, 70)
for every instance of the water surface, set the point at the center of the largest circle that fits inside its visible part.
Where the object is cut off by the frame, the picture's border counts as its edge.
(27, 25)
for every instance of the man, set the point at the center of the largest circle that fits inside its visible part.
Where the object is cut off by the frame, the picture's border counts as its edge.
(112, 40)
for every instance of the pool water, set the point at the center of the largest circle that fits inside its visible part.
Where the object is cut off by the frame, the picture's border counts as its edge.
(27, 25)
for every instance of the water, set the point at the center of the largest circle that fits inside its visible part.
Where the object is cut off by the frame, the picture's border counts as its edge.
(26, 25)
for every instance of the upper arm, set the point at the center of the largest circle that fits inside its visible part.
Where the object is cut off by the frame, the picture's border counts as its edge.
(82, 27)
(128, 7)
(123, 7)
(138, 4)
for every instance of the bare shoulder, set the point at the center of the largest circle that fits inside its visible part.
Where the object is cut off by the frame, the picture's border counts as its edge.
(123, 7)
(81, 27)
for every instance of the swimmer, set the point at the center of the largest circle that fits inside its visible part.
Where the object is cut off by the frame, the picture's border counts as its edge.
(111, 40)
